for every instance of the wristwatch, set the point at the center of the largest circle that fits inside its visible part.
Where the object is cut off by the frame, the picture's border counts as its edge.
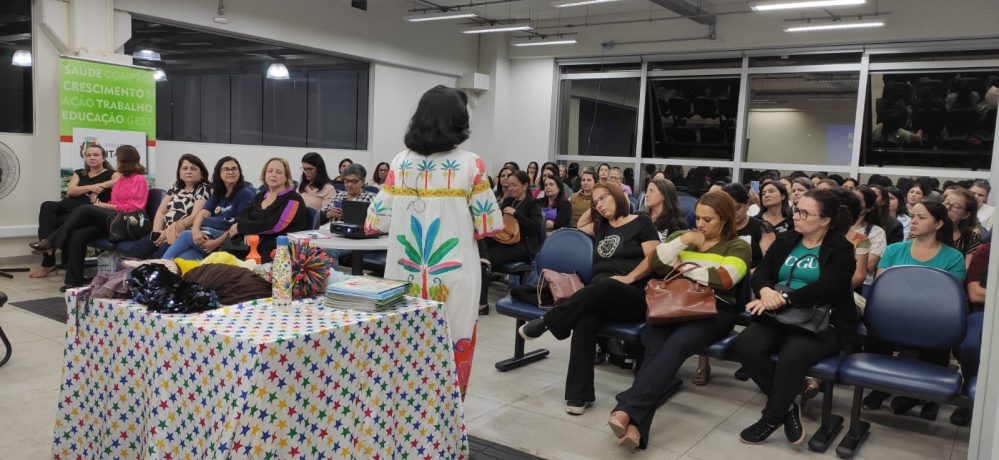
(785, 296)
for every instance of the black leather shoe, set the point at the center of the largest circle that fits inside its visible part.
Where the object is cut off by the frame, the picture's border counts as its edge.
(484, 310)
(758, 432)
(741, 374)
(533, 328)
(901, 405)
(792, 425)
(961, 416)
(41, 245)
(929, 410)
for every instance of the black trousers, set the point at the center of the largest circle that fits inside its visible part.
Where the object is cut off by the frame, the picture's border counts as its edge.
(85, 224)
(498, 255)
(51, 215)
(797, 351)
(666, 348)
(581, 315)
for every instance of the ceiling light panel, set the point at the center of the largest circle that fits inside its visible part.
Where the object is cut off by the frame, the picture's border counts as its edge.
(571, 3)
(440, 16)
(771, 6)
(497, 28)
(545, 42)
(841, 25)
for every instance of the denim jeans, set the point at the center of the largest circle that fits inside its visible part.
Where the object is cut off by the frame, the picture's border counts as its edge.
(185, 248)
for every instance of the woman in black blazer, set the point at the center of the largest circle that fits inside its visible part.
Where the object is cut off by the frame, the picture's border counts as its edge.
(820, 224)
(519, 204)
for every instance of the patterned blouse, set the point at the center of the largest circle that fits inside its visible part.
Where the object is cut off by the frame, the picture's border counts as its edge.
(181, 202)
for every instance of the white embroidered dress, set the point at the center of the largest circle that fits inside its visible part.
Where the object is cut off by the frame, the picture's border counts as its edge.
(434, 207)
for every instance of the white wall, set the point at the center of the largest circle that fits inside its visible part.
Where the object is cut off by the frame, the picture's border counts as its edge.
(776, 136)
(395, 93)
(531, 115)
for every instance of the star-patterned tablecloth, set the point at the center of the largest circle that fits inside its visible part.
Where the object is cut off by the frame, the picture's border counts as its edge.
(256, 381)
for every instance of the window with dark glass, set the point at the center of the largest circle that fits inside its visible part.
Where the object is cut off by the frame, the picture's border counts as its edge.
(217, 91)
(931, 118)
(691, 117)
(15, 77)
(599, 117)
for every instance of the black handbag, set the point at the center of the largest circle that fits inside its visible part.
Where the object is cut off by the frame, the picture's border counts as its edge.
(125, 226)
(813, 319)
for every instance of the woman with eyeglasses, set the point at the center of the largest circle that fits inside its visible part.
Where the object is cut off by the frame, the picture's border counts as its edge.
(381, 174)
(962, 209)
(437, 198)
(230, 195)
(929, 245)
(823, 262)
(316, 187)
(527, 211)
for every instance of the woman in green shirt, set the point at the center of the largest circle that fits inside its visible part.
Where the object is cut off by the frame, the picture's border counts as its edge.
(929, 242)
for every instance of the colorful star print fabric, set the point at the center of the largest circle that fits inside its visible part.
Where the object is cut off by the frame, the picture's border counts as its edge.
(255, 381)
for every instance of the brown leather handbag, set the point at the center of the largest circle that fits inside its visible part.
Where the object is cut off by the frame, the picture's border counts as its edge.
(676, 299)
(511, 231)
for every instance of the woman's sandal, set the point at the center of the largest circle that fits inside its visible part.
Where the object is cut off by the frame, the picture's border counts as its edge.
(618, 423)
(631, 438)
(701, 376)
(811, 390)
(43, 271)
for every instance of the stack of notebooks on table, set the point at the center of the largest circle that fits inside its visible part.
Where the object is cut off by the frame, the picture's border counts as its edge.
(366, 293)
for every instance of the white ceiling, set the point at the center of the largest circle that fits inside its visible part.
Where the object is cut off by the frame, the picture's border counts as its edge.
(542, 10)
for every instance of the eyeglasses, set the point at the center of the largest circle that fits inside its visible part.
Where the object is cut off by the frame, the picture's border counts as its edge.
(954, 207)
(352, 181)
(803, 214)
(233, 169)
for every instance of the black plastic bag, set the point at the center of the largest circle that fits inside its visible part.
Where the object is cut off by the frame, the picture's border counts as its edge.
(166, 292)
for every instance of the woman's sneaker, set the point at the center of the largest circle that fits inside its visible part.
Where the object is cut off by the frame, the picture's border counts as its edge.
(577, 407)
(758, 432)
(533, 328)
(792, 425)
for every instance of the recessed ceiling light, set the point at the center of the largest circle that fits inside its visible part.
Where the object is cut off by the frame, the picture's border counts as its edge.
(146, 54)
(806, 4)
(498, 28)
(840, 25)
(278, 71)
(22, 58)
(545, 42)
(568, 3)
(159, 75)
(440, 16)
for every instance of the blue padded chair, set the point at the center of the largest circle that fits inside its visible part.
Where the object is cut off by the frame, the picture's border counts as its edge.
(313, 218)
(915, 307)
(339, 187)
(140, 248)
(970, 351)
(563, 252)
(519, 272)
(372, 189)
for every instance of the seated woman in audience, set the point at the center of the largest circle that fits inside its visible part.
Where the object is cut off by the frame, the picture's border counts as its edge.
(915, 193)
(663, 207)
(381, 175)
(338, 180)
(798, 188)
(582, 200)
(898, 210)
(824, 262)
(723, 260)
(625, 245)
(519, 204)
(89, 222)
(353, 181)
(892, 227)
(316, 187)
(556, 208)
(850, 183)
(962, 208)
(977, 274)
(776, 211)
(929, 245)
(185, 199)
(95, 178)
(279, 210)
(869, 225)
(981, 189)
(501, 183)
(532, 174)
(603, 172)
(230, 195)
(615, 176)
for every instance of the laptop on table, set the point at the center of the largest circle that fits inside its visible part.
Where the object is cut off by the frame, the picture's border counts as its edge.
(352, 225)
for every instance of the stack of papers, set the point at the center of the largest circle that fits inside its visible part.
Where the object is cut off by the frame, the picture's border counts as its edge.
(366, 293)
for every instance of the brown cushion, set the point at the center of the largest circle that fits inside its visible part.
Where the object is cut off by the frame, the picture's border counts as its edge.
(232, 284)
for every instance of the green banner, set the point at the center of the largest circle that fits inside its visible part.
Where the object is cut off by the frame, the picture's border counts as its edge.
(106, 96)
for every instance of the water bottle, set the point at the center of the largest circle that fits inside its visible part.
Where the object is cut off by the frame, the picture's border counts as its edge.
(281, 274)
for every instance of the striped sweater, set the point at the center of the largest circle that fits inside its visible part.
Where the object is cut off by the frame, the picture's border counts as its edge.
(721, 267)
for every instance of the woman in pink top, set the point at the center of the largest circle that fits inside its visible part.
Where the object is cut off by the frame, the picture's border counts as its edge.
(89, 222)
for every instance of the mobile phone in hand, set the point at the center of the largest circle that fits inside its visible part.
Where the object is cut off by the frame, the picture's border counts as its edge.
(755, 185)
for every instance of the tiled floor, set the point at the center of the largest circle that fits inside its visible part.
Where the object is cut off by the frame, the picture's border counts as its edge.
(522, 409)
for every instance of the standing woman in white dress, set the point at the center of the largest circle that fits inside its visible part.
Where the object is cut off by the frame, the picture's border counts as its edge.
(435, 204)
